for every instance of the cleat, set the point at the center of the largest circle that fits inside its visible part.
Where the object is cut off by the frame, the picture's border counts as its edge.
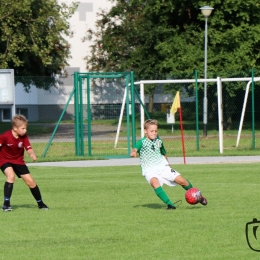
(171, 207)
(41, 205)
(203, 201)
(7, 208)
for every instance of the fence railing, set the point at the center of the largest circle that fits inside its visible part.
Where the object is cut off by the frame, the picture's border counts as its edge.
(43, 108)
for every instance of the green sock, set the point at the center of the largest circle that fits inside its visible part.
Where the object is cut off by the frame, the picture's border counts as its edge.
(187, 187)
(163, 196)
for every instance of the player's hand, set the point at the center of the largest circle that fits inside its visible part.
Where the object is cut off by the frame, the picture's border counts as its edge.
(33, 157)
(133, 154)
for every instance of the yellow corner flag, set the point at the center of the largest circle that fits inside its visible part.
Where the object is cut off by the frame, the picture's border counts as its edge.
(176, 103)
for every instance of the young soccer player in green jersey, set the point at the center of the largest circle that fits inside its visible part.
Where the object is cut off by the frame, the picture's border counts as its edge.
(155, 165)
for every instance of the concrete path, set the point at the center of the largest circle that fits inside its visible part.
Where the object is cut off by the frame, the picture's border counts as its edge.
(135, 161)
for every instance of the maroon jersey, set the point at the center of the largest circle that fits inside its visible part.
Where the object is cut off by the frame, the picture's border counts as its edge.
(12, 149)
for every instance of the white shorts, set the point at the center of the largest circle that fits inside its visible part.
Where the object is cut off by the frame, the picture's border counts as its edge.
(165, 175)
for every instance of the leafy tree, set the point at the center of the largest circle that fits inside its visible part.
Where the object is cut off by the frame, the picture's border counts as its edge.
(32, 36)
(123, 41)
(135, 35)
(159, 39)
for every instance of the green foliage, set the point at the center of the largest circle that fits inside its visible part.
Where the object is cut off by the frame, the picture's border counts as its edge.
(159, 39)
(123, 41)
(112, 213)
(32, 36)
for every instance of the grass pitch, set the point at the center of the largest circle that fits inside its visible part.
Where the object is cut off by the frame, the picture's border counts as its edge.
(112, 213)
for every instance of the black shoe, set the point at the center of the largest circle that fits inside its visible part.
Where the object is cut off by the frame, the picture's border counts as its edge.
(203, 201)
(171, 207)
(7, 208)
(41, 205)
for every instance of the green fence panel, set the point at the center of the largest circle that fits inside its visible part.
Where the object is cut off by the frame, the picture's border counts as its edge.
(44, 99)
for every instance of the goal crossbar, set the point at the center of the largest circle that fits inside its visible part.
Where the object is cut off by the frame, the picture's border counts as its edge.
(217, 80)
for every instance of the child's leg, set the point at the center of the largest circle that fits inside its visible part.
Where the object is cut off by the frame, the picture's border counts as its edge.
(8, 186)
(183, 182)
(161, 193)
(36, 193)
(8, 189)
(28, 179)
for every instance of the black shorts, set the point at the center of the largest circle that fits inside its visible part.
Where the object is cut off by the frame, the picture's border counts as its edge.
(18, 168)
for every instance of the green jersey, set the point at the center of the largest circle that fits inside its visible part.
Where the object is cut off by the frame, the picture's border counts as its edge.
(151, 153)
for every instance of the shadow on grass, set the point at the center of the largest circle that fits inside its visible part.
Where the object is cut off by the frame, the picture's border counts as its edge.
(151, 206)
(28, 206)
(162, 206)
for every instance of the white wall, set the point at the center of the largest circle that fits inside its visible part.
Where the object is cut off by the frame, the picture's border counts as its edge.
(40, 96)
(83, 19)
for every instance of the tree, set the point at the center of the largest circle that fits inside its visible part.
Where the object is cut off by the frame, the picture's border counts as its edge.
(159, 39)
(123, 42)
(134, 35)
(32, 36)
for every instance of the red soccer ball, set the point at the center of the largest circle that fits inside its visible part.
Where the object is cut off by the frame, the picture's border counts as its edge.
(193, 196)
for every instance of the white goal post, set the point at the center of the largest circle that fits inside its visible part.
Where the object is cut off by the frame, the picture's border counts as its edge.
(219, 81)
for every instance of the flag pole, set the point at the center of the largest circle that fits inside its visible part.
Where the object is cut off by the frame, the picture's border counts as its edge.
(176, 106)
(182, 136)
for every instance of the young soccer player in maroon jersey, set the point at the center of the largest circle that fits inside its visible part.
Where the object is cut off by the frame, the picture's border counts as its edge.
(12, 145)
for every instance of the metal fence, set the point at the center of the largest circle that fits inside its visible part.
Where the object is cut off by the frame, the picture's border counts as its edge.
(44, 101)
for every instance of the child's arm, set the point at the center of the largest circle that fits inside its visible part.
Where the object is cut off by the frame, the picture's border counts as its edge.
(133, 152)
(166, 158)
(136, 149)
(32, 154)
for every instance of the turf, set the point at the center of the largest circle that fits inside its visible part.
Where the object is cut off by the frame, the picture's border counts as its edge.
(112, 213)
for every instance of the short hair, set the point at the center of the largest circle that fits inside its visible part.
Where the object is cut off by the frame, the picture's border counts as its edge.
(19, 120)
(149, 122)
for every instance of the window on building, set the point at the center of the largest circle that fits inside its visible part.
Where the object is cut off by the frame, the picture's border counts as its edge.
(6, 114)
(22, 111)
